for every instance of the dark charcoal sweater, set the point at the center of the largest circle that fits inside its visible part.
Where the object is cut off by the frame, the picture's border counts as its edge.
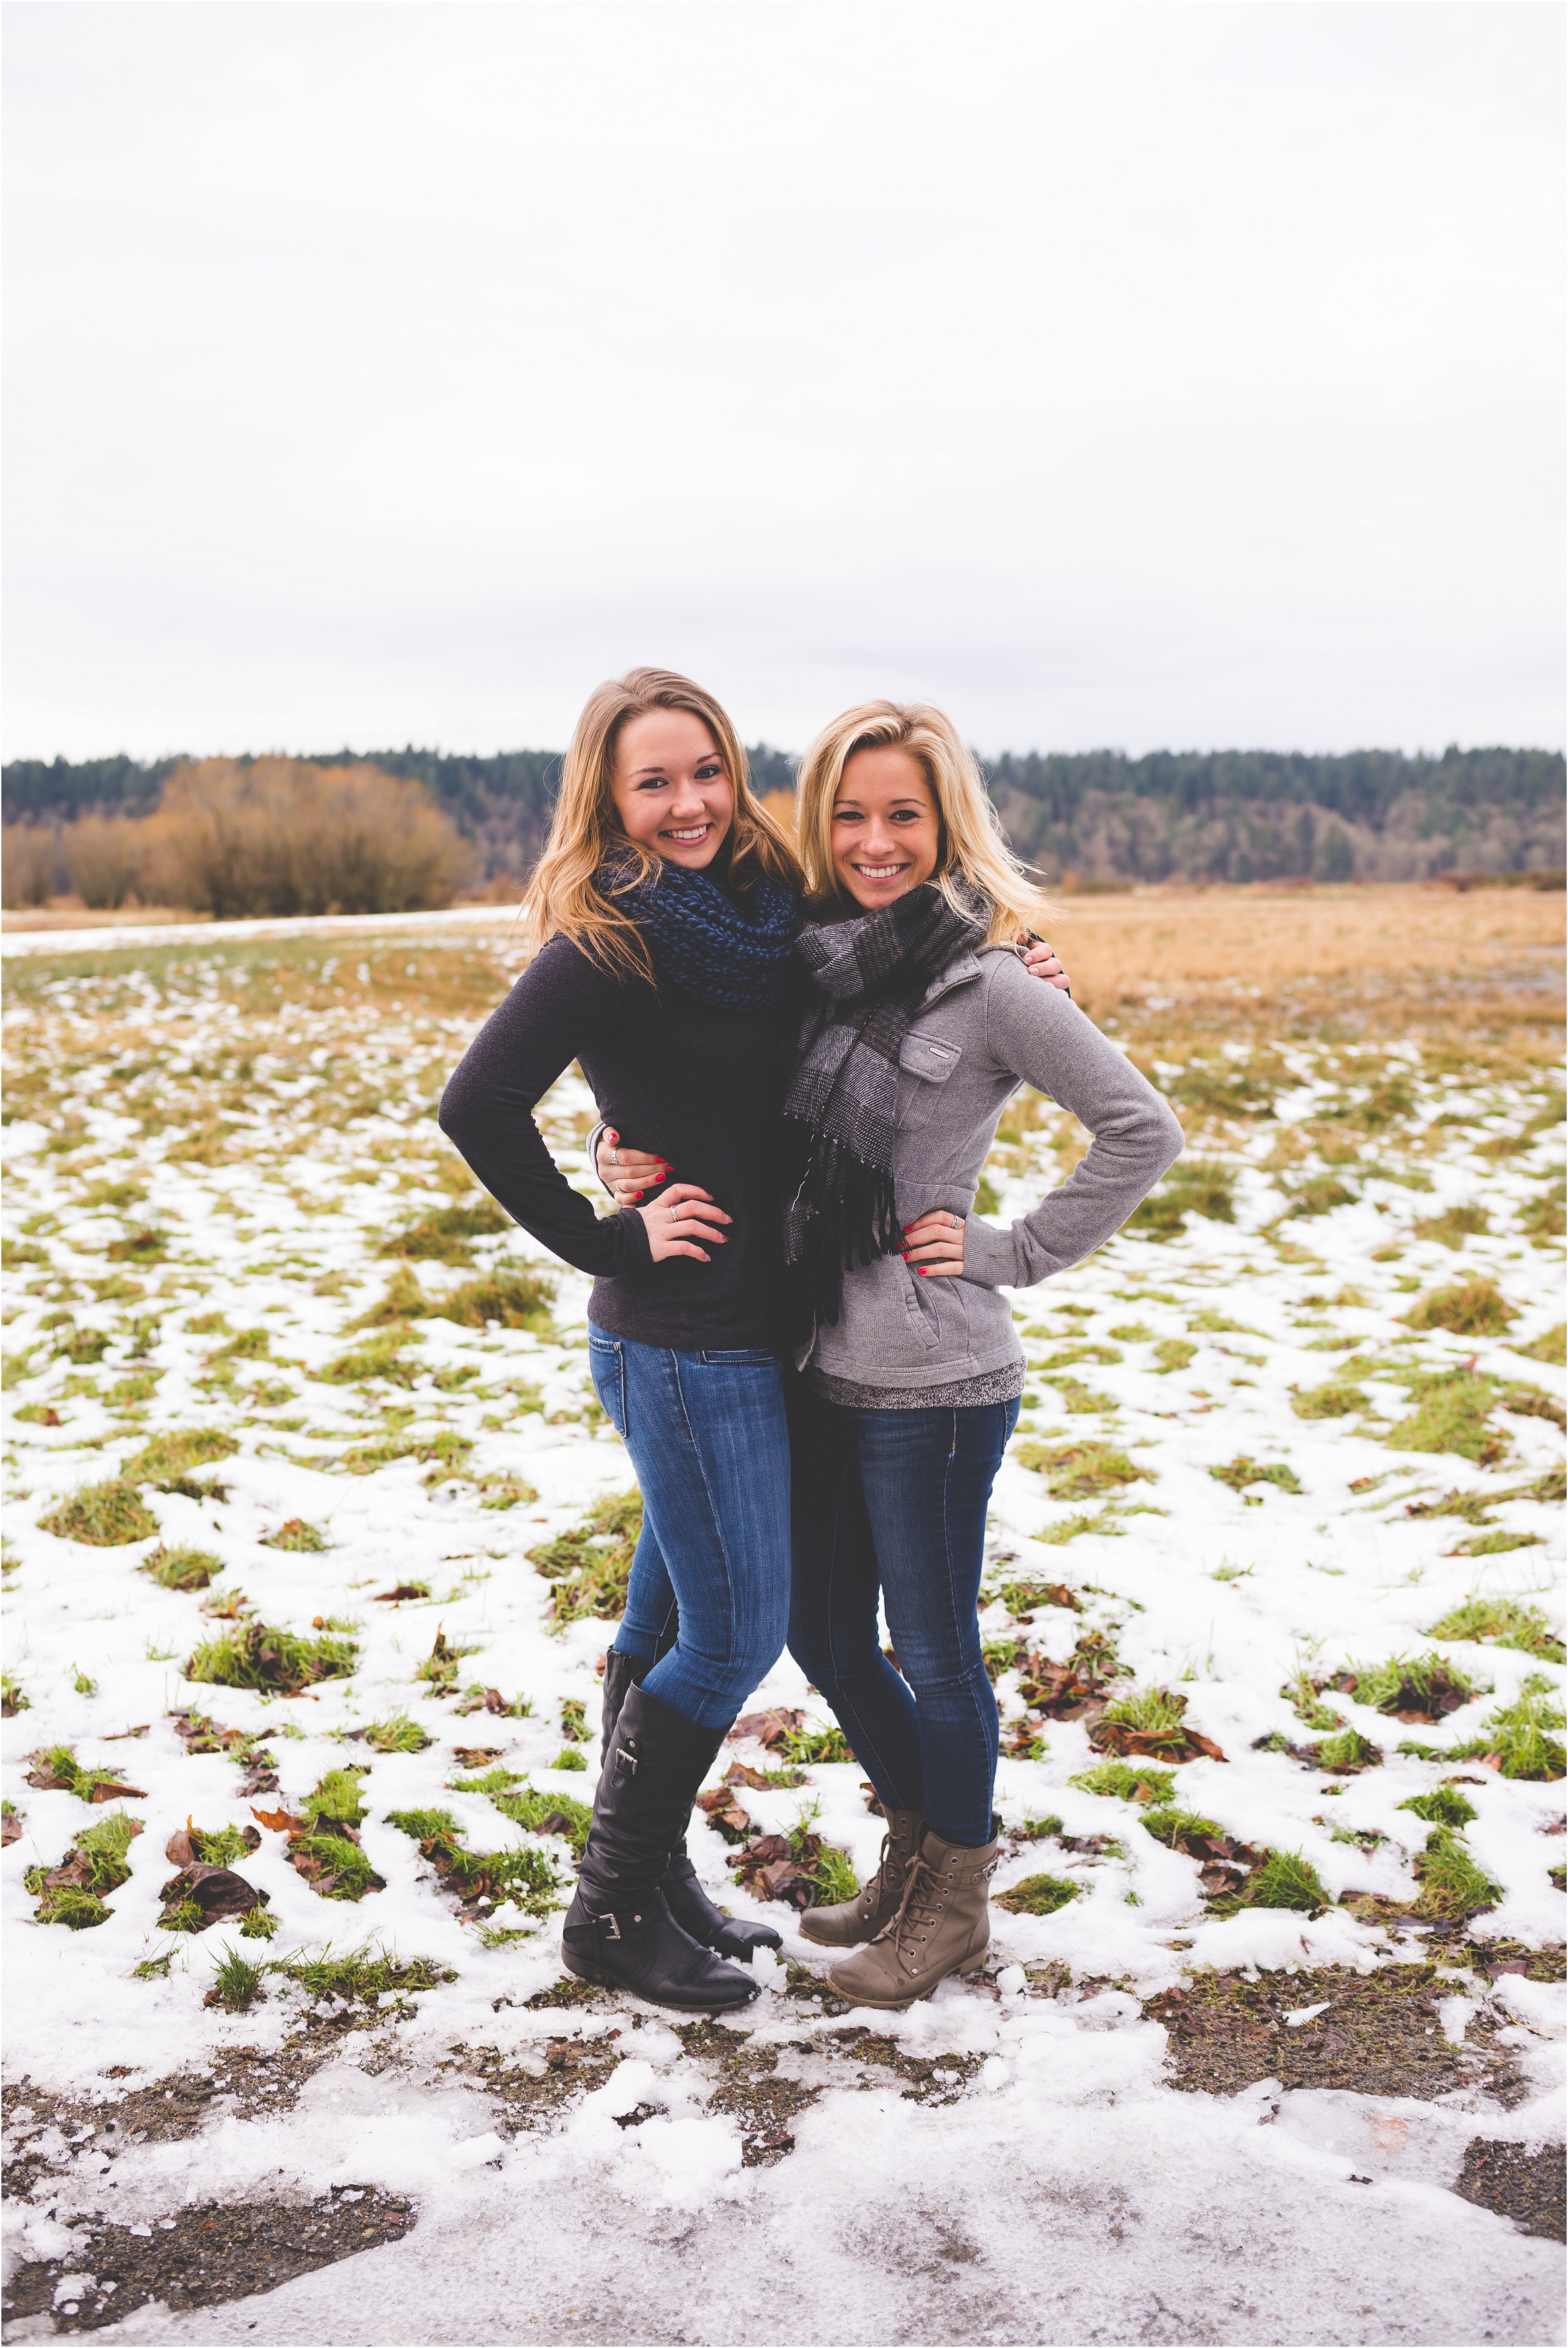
(700, 1086)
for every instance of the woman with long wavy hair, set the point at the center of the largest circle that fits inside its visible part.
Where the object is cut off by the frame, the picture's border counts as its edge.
(923, 1024)
(665, 906)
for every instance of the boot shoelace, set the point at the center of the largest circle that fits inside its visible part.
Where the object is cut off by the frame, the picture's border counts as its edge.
(873, 1891)
(921, 1902)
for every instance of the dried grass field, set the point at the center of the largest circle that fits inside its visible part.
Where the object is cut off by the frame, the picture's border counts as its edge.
(315, 1539)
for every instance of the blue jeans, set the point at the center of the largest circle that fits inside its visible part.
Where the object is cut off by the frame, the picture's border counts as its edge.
(895, 1500)
(709, 1439)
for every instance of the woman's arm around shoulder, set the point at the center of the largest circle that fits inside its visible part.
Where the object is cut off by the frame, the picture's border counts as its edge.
(559, 1006)
(1041, 1036)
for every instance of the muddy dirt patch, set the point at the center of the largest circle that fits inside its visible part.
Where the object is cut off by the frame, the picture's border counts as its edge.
(203, 2256)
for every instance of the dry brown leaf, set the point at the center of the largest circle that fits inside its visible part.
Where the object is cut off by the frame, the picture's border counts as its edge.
(281, 1822)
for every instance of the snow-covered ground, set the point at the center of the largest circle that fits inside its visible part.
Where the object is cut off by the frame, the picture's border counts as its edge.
(263, 1112)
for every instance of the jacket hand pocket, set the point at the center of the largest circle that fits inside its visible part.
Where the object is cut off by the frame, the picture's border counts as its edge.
(921, 1310)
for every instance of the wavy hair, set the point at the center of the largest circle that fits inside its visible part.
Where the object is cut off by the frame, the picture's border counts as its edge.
(973, 850)
(563, 896)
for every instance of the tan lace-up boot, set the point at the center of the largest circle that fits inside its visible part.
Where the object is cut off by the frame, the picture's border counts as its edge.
(876, 1902)
(942, 1926)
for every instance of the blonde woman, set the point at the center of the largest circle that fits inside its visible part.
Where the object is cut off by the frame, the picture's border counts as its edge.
(924, 1024)
(665, 906)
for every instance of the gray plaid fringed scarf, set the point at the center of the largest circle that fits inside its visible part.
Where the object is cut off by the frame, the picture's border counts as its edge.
(869, 976)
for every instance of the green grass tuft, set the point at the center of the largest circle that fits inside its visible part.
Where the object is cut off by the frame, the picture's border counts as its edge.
(1453, 1229)
(834, 1876)
(1451, 1415)
(296, 1536)
(1243, 1471)
(1348, 1750)
(490, 1878)
(801, 1748)
(1172, 1826)
(1425, 1683)
(1336, 1398)
(534, 1813)
(446, 1235)
(1520, 1732)
(403, 1300)
(103, 1516)
(254, 1655)
(237, 1984)
(181, 1568)
(1471, 1308)
(379, 1357)
(1195, 1185)
(1079, 1472)
(588, 1566)
(1549, 1348)
(396, 1734)
(1022, 1598)
(177, 1452)
(337, 1797)
(1504, 1622)
(60, 1766)
(1445, 1806)
(439, 1669)
(1155, 1711)
(95, 1865)
(1452, 1885)
(1038, 1895)
(1127, 1782)
(513, 1300)
(79, 1910)
(358, 1975)
(249, 1346)
(223, 1845)
(1286, 1879)
(1319, 1194)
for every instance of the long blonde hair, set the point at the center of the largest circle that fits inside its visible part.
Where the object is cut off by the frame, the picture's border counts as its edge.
(563, 897)
(974, 848)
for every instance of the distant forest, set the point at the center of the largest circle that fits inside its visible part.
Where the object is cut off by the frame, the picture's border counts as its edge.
(1092, 815)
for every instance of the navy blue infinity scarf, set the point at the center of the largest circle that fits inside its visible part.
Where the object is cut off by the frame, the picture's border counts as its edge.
(704, 942)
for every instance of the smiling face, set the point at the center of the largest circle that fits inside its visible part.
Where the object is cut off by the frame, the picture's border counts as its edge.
(886, 832)
(671, 789)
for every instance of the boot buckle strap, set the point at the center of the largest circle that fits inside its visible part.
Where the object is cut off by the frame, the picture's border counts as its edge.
(629, 1759)
(612, 1929)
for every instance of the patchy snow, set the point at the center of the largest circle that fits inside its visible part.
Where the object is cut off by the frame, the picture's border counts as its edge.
(273, 1137)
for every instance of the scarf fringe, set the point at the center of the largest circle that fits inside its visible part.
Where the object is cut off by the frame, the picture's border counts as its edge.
(844, 1213)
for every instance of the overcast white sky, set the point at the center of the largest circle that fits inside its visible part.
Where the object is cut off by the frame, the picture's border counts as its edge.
(1142, 374)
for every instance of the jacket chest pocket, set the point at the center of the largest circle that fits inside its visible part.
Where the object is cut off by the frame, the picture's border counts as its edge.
(924, 1064)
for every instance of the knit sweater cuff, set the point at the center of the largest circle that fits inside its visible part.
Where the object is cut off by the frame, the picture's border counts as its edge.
(991, 1257)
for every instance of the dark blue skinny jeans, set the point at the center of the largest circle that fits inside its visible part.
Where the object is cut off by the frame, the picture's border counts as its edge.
(893, 1501)
(709, 1598)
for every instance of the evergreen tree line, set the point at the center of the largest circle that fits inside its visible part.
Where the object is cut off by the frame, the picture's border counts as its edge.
(1084, 817)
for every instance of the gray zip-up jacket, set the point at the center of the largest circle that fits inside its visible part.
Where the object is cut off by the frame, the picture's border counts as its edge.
(983, 1026)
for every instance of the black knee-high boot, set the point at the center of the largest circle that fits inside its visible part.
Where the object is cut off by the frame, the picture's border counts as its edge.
(619, 1930)
(689, 1904)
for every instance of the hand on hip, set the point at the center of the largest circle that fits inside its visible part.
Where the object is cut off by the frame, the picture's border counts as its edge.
(934, 1245)
(682, 1218)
